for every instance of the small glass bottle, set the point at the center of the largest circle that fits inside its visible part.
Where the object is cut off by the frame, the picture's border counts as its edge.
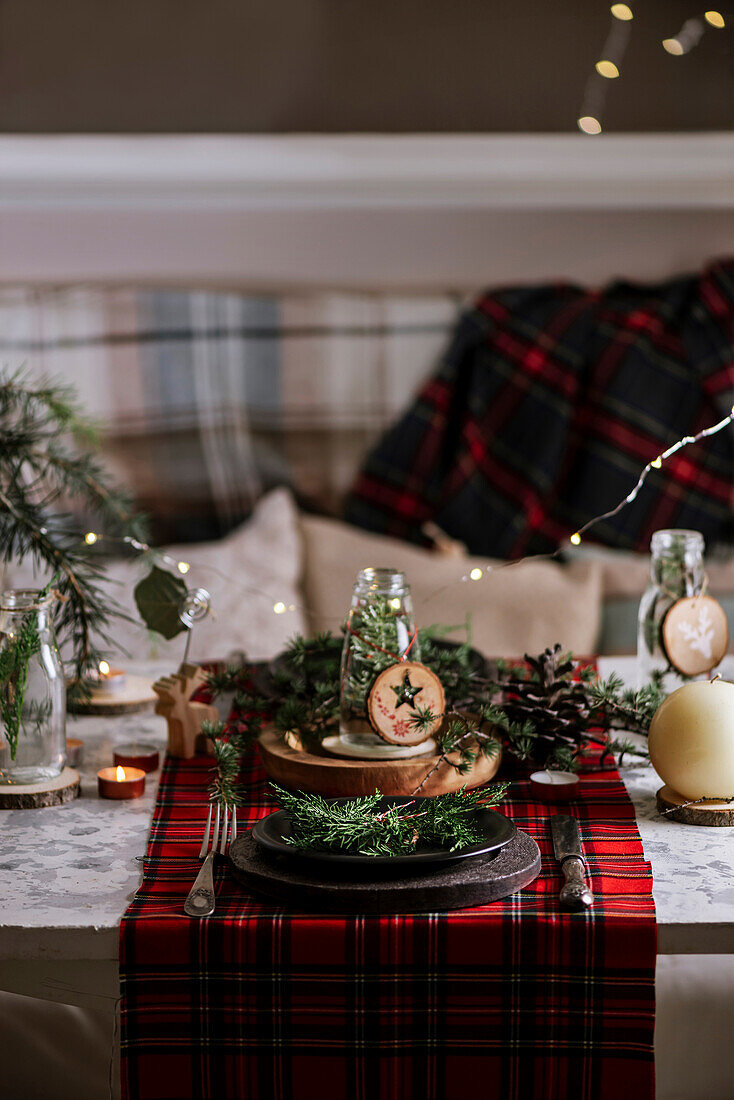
(380, 631)
(32, 689)
(676, 570)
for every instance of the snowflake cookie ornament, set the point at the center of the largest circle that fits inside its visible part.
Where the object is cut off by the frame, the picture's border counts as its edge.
(695, 635)
(398, 694)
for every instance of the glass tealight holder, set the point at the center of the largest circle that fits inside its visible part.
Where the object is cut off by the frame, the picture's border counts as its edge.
(380, 631)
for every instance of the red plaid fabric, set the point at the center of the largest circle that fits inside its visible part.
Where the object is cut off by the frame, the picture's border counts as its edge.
(515, 999)
(549, 402)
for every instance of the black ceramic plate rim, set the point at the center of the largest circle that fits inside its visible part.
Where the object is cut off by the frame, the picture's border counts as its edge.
(269, 835)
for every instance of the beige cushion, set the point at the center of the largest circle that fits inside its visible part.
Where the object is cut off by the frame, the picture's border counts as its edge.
(513, 610)
(247, 573)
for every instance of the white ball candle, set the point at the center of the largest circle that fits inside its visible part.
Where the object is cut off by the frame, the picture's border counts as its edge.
(691, 740)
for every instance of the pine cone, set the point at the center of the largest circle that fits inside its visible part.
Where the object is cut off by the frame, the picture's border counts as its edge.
(556, 705)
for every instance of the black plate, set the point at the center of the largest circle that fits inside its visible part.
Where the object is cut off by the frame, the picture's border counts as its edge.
(271, 833)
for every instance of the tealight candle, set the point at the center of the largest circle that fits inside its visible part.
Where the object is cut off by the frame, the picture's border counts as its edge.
(554, 786)
(120, 782)
(106, 679)
(74, 751)
(137, 754)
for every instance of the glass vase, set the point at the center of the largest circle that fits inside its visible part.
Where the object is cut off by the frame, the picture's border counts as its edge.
(32, 690)
(380, 630)
(676, 570)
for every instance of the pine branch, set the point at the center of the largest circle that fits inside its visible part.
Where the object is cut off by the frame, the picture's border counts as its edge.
(45, 462)
(358, 825)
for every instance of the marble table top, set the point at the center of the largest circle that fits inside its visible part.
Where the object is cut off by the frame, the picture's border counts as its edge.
(70, 871)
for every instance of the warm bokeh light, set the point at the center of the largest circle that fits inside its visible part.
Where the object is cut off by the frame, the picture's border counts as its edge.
(622, 11)
(607, 69)
(575, 539)
(657, 463)
(279, 608)
(476, 574)
(90, 538)
(395, 603)
(715, 18)
(589, 124)
(672, 45)
(104, 668)
(183, 567)
(120, 774)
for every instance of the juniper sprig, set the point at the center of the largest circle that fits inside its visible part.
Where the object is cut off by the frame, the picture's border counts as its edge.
(361, 826)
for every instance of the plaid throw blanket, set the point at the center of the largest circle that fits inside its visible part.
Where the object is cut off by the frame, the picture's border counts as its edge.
(206, 399)
(509, 1001)
(548, 404)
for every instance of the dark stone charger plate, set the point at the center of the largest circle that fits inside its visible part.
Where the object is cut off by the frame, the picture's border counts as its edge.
(308, 887)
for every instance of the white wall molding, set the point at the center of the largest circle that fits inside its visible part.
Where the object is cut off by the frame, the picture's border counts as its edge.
(557, 171)
(409, 212)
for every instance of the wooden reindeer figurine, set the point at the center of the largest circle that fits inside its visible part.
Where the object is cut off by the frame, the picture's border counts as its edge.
(184, 717)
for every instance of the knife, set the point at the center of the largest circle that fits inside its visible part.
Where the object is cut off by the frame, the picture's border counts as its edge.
(569, 853)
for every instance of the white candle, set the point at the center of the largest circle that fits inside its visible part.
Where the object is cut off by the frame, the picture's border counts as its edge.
(691, 740)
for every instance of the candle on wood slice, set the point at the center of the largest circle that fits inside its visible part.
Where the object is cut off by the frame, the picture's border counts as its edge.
(106, 680)
(120, 782)
(136, 754)
(691, 740)
(553, 786)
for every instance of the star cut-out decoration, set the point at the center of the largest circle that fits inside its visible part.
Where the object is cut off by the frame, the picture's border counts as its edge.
(406, 693)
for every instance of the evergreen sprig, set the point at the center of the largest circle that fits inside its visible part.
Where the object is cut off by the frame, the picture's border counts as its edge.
(228, 748)
(14, 658)
(46, 461)
(361, 826)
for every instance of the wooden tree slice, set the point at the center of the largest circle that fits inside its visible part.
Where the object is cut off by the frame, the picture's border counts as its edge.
(135, 695)
(695, 634)
(702, 813)
(291, 766)
(456, 886)
(35, 796)
(396, 692)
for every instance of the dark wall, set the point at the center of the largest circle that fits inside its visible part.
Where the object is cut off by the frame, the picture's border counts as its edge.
(347, 65)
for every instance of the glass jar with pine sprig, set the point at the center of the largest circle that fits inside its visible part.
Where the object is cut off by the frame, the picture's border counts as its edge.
(677, 570)
(32, 689)
(380, 631)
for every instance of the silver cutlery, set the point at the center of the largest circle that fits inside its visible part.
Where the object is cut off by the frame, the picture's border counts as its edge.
(201, 901)
(570, 854)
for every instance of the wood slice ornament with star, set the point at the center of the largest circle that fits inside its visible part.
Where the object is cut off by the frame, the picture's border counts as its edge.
(396, 694)
(695, 634)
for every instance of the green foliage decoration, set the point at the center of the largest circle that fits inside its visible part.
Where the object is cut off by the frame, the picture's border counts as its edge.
(362, 826)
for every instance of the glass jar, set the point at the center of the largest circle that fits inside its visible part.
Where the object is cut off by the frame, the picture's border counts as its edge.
(380, 631)
(32, 689)
(676, 570)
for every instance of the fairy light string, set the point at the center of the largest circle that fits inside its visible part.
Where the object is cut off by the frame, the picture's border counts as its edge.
(280, 606)
(609, 65)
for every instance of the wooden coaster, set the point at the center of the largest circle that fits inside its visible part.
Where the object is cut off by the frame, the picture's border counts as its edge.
(702, 813)
(695, 634)
(134, 696)
(49, 792)
(294, 768)
(460, 885)
(395, 693)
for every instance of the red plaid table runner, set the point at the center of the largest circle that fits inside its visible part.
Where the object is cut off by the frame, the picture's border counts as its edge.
(515, 999)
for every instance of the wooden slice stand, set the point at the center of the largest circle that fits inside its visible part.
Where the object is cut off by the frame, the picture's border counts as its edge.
(35, 796)
(459, 885)
(702, 813)
(292, 766)
(135, 695)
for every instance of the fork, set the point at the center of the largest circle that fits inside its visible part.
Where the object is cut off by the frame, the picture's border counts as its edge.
(200, 902)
